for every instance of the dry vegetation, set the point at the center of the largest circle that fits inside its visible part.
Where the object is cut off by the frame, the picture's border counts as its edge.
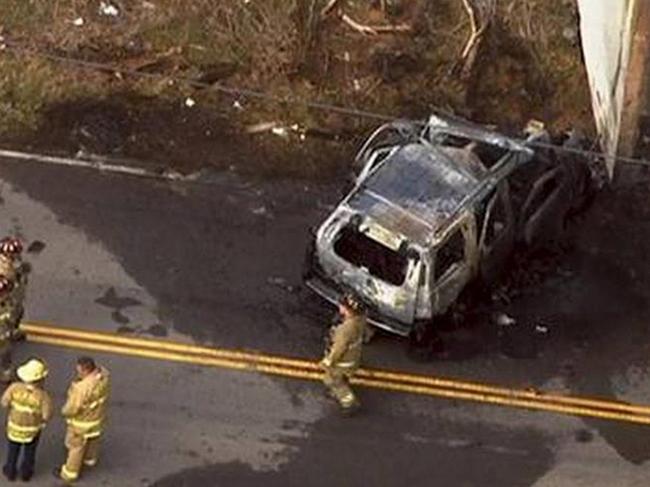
(524, 65)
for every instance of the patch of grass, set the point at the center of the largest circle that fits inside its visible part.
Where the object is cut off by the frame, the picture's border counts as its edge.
(27, 85)
(25, 15)
(24, 89)
(280, 47)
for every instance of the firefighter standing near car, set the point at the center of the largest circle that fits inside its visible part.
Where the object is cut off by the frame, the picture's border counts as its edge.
(12, 265)
(30, 408)
(344, 354)
(5, 328)
(85, 412)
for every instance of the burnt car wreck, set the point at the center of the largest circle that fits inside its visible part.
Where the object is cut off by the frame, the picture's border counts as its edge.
(435, 207)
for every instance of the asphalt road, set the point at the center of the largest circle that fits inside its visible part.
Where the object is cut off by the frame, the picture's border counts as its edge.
(220, 265)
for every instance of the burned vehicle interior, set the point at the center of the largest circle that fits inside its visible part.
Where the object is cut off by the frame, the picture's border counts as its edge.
(362, 251)
(433, 208)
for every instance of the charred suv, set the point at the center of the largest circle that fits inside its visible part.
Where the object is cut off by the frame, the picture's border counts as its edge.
(435, 207)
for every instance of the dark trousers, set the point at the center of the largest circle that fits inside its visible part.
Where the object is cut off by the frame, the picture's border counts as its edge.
(29, 458)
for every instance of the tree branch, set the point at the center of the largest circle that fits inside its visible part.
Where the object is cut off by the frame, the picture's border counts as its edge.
(335, 6)
(486, 9)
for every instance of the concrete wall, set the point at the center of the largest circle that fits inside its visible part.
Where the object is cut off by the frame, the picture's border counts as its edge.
(606, 29)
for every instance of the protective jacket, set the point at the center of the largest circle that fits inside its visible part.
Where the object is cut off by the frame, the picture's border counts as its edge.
(7, 268)
(347, 341)
(30, 408)
(85, 408)
(6, 316)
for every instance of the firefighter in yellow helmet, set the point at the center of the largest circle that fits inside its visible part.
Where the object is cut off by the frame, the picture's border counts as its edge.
(30, 408)
(85, 412)
(344, 354)
(6, 287)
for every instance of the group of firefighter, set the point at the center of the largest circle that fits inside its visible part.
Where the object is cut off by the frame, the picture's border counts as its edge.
(29, 405)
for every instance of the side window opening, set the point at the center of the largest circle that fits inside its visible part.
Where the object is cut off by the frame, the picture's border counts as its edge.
(451, 252)
(489, 154)
(382, 153)
(376, 156)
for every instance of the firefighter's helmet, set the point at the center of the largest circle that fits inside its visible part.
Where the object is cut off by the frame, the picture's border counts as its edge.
(11, 246)
(33, 370)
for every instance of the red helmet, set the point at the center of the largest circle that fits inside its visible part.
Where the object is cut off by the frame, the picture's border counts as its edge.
(11, 246)
(5, 285)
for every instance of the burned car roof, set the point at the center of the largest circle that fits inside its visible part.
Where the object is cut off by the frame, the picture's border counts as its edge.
(418, 188)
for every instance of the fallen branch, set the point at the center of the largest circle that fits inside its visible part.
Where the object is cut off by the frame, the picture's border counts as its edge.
(334, 6)
(480, 13)
(373, 29)
(327, 9)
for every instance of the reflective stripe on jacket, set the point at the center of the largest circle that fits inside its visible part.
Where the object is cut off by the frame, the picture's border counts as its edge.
(30, 407)
(85, 408)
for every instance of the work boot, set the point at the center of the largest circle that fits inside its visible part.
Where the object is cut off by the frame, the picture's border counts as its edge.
(56, 473)
(351, 409)
(349, 405)
(11, 476)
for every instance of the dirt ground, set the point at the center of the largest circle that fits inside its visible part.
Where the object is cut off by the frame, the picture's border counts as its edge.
(529, 66)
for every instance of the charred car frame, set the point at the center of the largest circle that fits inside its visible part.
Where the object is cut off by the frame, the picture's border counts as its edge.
(435, 207)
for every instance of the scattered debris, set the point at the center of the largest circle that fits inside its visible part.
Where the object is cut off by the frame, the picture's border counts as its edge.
(173, 175)
(189, 102)
(280, 131)
(78, 22)
(276, 129)
(282, 283)
(260, 210)
(237, 105)
(261, 127)
(503, 319)
(148, 5)
(108, 9)
(541, 329)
